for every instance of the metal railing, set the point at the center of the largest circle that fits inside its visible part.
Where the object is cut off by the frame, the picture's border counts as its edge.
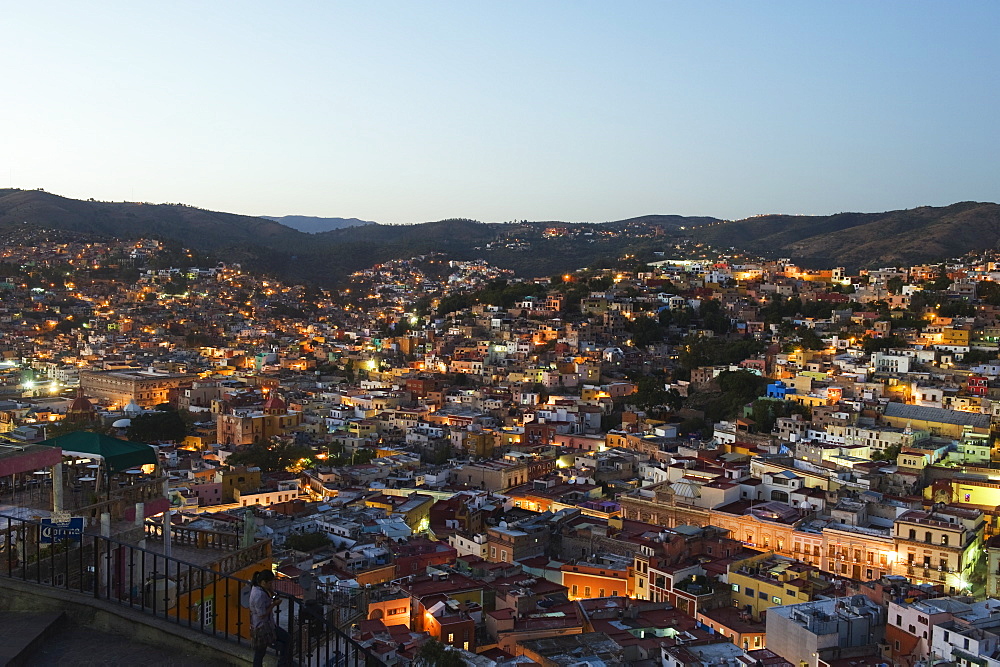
(203, 599)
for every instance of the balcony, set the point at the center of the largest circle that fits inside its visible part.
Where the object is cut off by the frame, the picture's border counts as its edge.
(89, 569)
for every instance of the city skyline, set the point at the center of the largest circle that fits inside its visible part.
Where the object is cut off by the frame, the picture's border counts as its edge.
(546, 112)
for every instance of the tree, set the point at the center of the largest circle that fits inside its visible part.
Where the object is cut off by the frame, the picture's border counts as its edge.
(649, 393)
(307, 541)
(270, 457)
(435, 654)
(989, 291)
(941, 281)
(645, 331)
(870, 344)
(887, 454)
(809, 340)
(973, 357)
(157, 426)
(894, 285)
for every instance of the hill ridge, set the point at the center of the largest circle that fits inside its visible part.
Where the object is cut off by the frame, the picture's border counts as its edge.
(850, 239)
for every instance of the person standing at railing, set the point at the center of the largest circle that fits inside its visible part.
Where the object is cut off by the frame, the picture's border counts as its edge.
(264, 630)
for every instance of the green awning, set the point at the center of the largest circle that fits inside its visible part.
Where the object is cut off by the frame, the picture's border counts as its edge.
(117, 454)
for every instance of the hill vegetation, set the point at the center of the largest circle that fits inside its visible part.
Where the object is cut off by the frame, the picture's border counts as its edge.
(864, 240)
(313, 225)
(853, 240)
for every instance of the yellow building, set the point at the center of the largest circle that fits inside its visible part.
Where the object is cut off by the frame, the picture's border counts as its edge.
(942, 546)
(245, 427)
(951, 336)
(768, 580)
(938, 421)
(362, 428)
(415, 508)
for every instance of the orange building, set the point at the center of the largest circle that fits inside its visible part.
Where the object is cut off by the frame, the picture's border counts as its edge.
(597, 581)
(217, 602)
(390, 608)
(451, 627)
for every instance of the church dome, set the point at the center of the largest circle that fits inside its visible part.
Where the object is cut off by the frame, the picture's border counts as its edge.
(81, 403)
(274, 404)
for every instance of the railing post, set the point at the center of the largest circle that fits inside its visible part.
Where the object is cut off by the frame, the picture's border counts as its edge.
(166, 533)
(97, 565)
(140, 522)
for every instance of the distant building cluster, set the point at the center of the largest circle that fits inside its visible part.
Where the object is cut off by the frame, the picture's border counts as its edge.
(708, 459)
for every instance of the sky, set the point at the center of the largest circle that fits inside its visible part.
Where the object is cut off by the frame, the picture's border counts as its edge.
(403, 112)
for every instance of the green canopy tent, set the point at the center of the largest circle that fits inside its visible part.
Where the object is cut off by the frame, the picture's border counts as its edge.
(117, 454)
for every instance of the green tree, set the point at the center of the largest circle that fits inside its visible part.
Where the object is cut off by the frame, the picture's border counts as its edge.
(714, 318)
(974, 357)
(157, 426)
(809, 340)
(650, 393)
(307, 541)
(894, 285)
(645, 331)
(941, 281)
(435, 654)
(870, 344)
(270, 457)
(887, 454)
(988, 291)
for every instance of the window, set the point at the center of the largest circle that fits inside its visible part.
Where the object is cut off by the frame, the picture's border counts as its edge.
(913, 534)
(575, 590)
(776, 600)
(749, 591)
(944, 540)
(614, 593)
(602, 593)
(927, 537)
(736, 588)
(586, 591)
(451, 637)
(762, 595)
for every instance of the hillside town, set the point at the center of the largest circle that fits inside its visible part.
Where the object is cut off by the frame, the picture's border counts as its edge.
(706, 459)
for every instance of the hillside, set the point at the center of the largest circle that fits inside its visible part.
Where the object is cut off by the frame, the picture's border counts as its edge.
(854, 240)
(314, 225)
(864, 240)
(194, 227)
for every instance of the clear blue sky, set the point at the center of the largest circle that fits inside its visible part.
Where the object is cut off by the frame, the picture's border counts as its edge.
(414, 111)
